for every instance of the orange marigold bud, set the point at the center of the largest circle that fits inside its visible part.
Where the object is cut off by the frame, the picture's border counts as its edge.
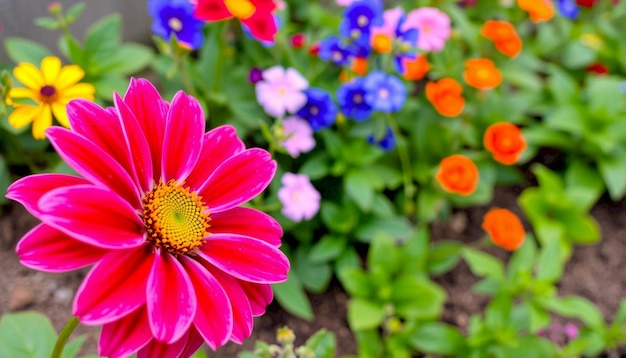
(504, 228)
(481, 73)
(457, 174)
(539, 10)
(504, 36)
(505, 141)
(445, 96)
(415, 69)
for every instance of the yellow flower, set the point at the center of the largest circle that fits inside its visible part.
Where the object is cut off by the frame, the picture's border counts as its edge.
(52, 89)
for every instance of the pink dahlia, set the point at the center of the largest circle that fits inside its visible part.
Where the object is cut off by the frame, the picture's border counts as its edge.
(156, 210)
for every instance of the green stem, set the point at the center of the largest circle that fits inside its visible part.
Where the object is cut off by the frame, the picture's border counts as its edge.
(63, 337)
(405, 162)
(183, 69)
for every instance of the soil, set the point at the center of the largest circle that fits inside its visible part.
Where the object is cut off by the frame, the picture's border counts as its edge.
(595, 272)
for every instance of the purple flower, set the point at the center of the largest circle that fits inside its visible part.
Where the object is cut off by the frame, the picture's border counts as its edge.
(387, 142)
(568, 8)
(320, 110)
(385, 93)
(331, 49)
(299, 136)
(176, 17)
(351, 98)
(255, 75)
(299, 198)
(571, 331)
(281, 91)
(359, 17)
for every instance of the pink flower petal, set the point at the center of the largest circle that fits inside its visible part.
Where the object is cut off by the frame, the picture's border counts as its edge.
(242, 312)
(259, 295)
(214, 318)
(114, 287)
(151, 112)
(137, 145)
(239, 179)
(126, 335)
(245, 258)
(194, 341)
(183, 137)
(92, 215)
(171, 301)
(46, 249)
(28, 190)
(93, 163)
(247, 222)
(162, 349)
(218, 145)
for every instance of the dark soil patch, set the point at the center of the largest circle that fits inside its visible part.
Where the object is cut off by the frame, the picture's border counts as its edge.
(594, 272)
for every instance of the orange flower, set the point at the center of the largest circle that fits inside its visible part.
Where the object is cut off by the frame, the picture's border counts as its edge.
(415, 69)
(504, 36)
(359, 66)
(457, 174)
(539, 10)
(445, 96)
(505, 141)
(481, 73)
(504, 228)
(382, 43)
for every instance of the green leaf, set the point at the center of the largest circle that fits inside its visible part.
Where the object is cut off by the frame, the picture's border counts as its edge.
(562, 85)
(316, 167)
(576, 55)
(75, 11)
(549, 182)
(47, 23)
(328, 248)
(443, 256)
(583, 185)
(314, 276)
(5, 179)
(73, 347)
(530, 346)
(363, 314)
(357, 184)
(498, 311)
(438, 338)
(570, 119)
(414, 252)
(369, 343)
(417, 298)
(355, 281)
(22, 50)
(575, 307)
(107, 84)
(604, 95)
(550, 265)
(482, 264)
(339, 218)
(322, 343)
(383, 254)
(613, 171)
(292, 298)
(103, 37)
(397, 227)
(26, 334)
(581, 228)
(523, 259)
(127, 59)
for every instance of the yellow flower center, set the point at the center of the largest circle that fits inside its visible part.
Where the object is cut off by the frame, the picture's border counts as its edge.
(176, 219)
(241, 9)
(175, 24)
(48, 94)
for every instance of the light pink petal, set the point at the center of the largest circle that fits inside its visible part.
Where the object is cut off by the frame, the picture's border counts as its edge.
(259, 295)
(214, 317)
(238, 179)
(137, 145)
(94, 163)
(151, 112)
(295, 101)
(247, 222)
(218, 145)
(114, 287)
(296, 80)
(92, 215)
(46, 249)
(184, 133)
(126, 335)
(274, 74)
(28, 190)
(245, 258)
(242, 312)
(171, 300)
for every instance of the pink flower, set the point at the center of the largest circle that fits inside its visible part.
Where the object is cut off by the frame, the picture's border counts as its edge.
(345, 2)
(299, 198)
(281, 91)
(299, 136)
(156, 210)
(391, 18)
(433, 25)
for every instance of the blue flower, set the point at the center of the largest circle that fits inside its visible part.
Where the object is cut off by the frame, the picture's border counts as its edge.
(351, 98)
(176, 17)
(320, 110)
(331, 49)
(359, 17)
(386, 143)
(384, 93)
(568, 8)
